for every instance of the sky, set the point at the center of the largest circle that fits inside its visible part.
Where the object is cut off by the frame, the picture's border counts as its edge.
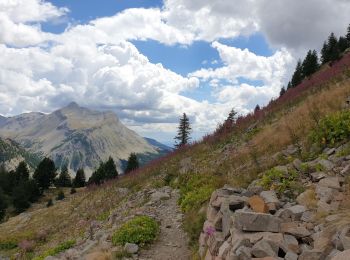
(150, 61)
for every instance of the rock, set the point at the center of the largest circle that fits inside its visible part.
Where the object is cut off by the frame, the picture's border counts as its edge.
(269, 196)
(236, 202)
(203, 238)
(211, 213)
(308, 216)
(237, 242)
(295, 228)
(328, 165)
(257, 204)
(333, 253)
(158, 195)
(226, 218)
(291, 256)
(344, 237)
(282, 168)
(329, 151)
(310, 255)
(317, 176)
(244, 253)
(307, 198)
(342, 255)
(215, 241)
(185, 165)
(323, 242)
(249, 221)
(96, 256)
(218, 222)
(224, 249)
(291, 243)
(297, 164)
(296, 211)
(324, 193)
(264, 248)
(330, 182)
(131, 248)
(346, 170)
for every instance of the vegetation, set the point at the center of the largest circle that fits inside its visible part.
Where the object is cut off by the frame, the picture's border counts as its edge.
(45, 173)
(140, 230)
(64, 180)
(183, 132)
(105, 171)
(79, 180)
(332, 129)
(132, 163)
(60, 195)
(56, 250)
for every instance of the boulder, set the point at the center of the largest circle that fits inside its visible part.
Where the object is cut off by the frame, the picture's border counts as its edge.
(290, 243)
(342, 255)
(215, 241)
(269, 196)
(158, 195)
(264, 248)
(251, 221)
(224, 249)
(257, 204)
(344, 237)
(226, 218)
(328, 165)
(211, 213)
(131, 248)
(244, 253)
(325, 194)
(295, 228)
(297, 211)
(297, 164)
(317, 176)
(310, 255)
(330, 182)
(236, 202)
(218, 222)
(291, 256)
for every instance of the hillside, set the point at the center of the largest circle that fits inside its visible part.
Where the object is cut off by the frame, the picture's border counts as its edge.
(77, 136)
(287, 130)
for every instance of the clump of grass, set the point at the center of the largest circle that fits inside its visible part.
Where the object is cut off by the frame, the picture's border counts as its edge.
(332, 129)
(8, 244)
(103, 216)
(140, 230)
(58, 249)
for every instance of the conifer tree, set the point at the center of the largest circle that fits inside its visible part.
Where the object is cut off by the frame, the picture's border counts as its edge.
(110, 169)
(325, 57)
(45, 173)
(231, 119)
(79, 180)
(343, 44)
(132, 164)
(289, 85)
(257, 108)
(183, 132)
(310, 64)
(298, 75)
(348, 34)
(3, 205)
(64, 180)
(333, 48)
(21, 173)
(20, 198)
(282, 92)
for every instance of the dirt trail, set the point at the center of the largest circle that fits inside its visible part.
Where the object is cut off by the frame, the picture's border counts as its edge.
(172, 242)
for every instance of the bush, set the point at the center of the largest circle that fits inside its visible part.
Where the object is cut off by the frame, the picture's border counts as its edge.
(140, 230)
(54, 251)
(332, 129)
(73, 190)
(277, 180)
(60, 195)
(8, 245)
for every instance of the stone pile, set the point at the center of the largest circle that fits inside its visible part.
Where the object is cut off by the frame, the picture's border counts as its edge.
(254, 223)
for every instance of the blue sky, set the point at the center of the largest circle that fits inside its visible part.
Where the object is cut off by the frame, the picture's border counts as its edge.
(150, 61)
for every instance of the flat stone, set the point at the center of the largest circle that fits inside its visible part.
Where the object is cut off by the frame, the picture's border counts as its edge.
(291, 243)
(251, 221)
(297, 164)
(224, 249)
(330, 182)
(325, 193)
(226, 218)
(291, 256)
(306, 198)
(269, 197)
(243, 253)
(264, 248)
(344, 237)
(317, 176)
(158, 195)
(295, 229)
(257, 204)
(342, 255)
(328, 165)
(211, 213)
(214, 242)
(308, 216)
(310, 255)
(297, 211)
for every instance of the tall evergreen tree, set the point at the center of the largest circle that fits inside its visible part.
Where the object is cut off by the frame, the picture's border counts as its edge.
(3, 205)
(79, 180)
(21, 173)
(64, 180)
(283, 91)
(231, 118)
(343, 44)
(20, 198)
(105, 171)
(45, 173)
(289, 85)
(333, 48)
(183, 132)
(257, 108)
(325, 57)
(348, 34)
(110, 169)
(298, 75)
(310, 64)
(132, 164)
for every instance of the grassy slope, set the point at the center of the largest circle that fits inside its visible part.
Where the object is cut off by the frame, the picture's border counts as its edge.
(235, 157)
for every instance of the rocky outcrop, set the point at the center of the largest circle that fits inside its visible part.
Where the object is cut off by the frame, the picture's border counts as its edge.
(254, 223)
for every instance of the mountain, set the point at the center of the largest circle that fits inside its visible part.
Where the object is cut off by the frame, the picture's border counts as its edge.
(161, 147)
(77, 136)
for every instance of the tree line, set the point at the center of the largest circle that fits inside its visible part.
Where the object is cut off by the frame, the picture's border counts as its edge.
(331, 51)
(18, 189)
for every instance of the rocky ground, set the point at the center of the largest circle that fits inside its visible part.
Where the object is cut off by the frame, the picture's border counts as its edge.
(254, 223)
(160, 204)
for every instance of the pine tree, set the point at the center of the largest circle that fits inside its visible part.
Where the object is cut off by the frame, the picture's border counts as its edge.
(45, 173)
(20, 198)
(343, 44)
(310, 64)
(64, 180)
(110, 169)
(257, 108)
(79, 180)
(298, 75)
(231, 119)
(21, 173)
(3, 205)
(282, 92)
(132, 164)
(325, 57)
(348, 34)
(289, 85)
(183, 132)
(333, 48)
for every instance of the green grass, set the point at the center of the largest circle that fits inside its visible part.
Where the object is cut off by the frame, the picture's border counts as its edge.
(140, 230)
(58, 249)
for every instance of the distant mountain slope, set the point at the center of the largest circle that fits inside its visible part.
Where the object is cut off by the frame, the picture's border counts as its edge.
(76, 136)
(11, 154)
(159, 146)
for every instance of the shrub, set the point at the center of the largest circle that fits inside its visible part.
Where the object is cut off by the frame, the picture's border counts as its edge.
(140, 230)
(60, 196)
(58, 249)
(8, 244)
(73, 190)
(332, 129)
(277, 180)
